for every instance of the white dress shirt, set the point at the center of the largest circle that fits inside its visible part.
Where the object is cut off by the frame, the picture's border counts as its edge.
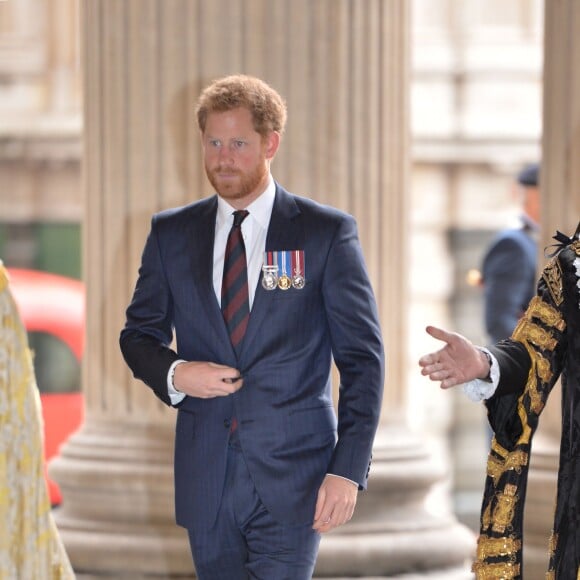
(254, 232)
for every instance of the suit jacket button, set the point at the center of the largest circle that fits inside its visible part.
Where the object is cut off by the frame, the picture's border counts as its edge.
(227, 423)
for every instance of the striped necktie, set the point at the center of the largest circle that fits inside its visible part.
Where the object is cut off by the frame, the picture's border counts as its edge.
(235, 301)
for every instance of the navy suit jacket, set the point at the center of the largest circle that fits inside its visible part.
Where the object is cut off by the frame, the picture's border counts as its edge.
(288, 429)
(510, 278)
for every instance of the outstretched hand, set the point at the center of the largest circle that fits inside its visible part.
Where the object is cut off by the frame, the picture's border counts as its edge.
(458, 362)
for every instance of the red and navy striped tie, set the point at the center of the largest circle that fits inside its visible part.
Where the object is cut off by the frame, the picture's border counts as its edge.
(235, 301)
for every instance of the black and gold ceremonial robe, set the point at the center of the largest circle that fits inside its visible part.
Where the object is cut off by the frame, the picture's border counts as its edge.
(544, 347)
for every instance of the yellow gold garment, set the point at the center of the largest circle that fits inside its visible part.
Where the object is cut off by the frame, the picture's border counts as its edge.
(30, 547)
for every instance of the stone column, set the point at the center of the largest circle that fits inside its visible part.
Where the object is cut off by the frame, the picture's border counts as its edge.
(62, 83)
(343, 67)
(560, 186)
(116, 472)
(392, 532)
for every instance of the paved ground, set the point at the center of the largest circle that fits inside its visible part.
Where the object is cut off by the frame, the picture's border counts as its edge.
(449, 575)
(442, 575)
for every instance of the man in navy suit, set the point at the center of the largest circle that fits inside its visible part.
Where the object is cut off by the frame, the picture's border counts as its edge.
(263, 465)
(509, 266)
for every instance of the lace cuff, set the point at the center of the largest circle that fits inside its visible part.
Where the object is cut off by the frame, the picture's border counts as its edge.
(480, 389)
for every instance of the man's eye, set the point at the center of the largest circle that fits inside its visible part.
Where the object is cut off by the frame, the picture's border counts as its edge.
(239, 144)
(214, 142)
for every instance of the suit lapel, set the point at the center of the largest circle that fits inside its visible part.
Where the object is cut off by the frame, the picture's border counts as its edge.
(202, 242)
(284, 233)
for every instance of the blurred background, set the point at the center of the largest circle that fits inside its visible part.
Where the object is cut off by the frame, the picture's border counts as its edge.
(474, 119)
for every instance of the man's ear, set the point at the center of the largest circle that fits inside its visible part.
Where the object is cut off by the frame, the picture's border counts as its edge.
(272, 143)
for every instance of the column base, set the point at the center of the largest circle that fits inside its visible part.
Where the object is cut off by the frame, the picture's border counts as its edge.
(393, 532)
(117, 517)
(117, 514)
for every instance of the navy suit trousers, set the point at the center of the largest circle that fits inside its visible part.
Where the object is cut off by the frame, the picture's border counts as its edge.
(246, 542)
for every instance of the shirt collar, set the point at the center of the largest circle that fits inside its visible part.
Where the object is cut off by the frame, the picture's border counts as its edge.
(260, 209)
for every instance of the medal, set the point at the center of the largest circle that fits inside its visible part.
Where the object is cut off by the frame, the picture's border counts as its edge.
(283, 269)
(269, 277)
(269, 272)
(284, 281)
(298, 280)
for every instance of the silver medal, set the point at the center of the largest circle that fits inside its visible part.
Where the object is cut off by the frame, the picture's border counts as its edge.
(298, 281)
(269, 277)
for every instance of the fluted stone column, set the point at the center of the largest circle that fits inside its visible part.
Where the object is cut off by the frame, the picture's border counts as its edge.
(560, 187)
(62, 83)
(392, 532)
(343, 67)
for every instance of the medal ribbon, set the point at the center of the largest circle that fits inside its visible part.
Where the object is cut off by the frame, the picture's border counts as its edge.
(298, 263)
(287, 263)
(283, 256)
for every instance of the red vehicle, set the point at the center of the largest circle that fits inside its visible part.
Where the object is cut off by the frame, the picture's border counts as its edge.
(52, 308)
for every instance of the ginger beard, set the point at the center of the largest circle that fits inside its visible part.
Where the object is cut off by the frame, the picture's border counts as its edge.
(233, 183)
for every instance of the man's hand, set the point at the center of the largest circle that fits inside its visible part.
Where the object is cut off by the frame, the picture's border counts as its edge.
(458, 362)
(335, 503)
(206, 379)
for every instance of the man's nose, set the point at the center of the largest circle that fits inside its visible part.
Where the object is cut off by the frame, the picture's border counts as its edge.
(226, 154)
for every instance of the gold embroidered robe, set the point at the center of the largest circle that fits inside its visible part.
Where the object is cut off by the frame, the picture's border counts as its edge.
(30, 547)
(546, 343)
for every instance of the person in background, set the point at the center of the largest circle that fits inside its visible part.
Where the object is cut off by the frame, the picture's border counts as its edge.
(515, 377)
(509, 272)
(30, 546)
(263, 290)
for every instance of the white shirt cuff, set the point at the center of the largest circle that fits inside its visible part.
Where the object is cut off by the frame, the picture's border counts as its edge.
(174, 395)
(480, 390)
(345, 478)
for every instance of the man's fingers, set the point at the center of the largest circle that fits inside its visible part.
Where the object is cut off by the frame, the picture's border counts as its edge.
(228, 375)
(439, 372)
(450, 365)
(225, 371)
(229, 386)
(232, 380)
(440, 334)
(427, 361)
(448, 383)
